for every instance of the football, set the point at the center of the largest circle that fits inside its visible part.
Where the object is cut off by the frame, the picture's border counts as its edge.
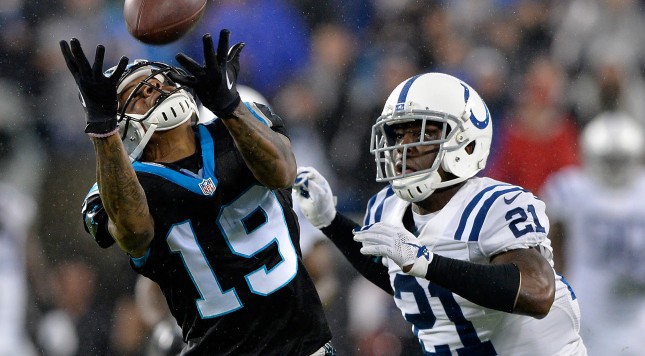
(162, 21)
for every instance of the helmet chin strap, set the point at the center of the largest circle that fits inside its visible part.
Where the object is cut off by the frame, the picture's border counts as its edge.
(136, 153)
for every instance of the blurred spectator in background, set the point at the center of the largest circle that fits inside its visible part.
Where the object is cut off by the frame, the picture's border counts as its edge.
(488, 71)
(601, 47)
(355, 15)
(322, 79)
(540, 137)
(597, 216)
(75, 324)
(380, 70)
(276, 37)
(163, 334)
(19, 184)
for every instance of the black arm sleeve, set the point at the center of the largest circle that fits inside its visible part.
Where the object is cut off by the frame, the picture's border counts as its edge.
(491, 286)
(340, 233)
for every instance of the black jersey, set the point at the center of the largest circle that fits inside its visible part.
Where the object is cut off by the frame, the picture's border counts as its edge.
(226, 255)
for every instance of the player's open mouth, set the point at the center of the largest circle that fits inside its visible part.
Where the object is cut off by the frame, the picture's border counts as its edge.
(398, 168)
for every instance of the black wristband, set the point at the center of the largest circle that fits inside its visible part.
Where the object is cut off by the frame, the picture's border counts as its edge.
(491, 286)
(101, 127)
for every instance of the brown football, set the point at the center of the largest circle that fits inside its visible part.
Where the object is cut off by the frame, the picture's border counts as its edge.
(162, 21)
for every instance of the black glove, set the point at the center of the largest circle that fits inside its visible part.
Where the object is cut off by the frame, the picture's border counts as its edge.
(97, 92)
(214, 82)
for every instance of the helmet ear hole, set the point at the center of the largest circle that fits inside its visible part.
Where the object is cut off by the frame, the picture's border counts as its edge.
(470, 148)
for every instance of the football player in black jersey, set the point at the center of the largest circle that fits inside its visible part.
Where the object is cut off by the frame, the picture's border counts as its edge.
(204, 210)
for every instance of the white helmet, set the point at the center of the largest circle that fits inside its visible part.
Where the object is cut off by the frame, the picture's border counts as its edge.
(464, 118)
(171, 109)
(613, 146)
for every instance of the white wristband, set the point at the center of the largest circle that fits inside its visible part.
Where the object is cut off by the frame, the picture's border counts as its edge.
(104, 135)
(420, 267)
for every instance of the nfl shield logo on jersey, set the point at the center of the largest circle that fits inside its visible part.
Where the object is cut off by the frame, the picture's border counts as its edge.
(207, 186)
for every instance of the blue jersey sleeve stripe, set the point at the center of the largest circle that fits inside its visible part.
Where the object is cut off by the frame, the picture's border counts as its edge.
(140, 261)
(190, 182)
(481, 214)
(469, 209)
(573, 294)
(208, 152)
(258, 116)
(381, 198)
(368, 214)
(379, 210)
(183, 180)
(168, 174)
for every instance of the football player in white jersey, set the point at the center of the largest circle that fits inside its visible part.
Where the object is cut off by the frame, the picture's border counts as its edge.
(467, 259)
(597, 213)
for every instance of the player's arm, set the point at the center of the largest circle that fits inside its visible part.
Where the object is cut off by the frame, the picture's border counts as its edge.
(370, 267)
(536, 290)
(316, 202)
(129, 220)
(267, 153)
(519, 281)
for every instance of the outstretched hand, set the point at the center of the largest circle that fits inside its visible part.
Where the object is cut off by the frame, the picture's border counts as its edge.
(397, 244)
(314, 196)
(215, 81)
(97, 92)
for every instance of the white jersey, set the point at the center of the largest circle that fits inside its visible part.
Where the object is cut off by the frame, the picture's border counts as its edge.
(16, 216)
(605, 257)
(484, 218)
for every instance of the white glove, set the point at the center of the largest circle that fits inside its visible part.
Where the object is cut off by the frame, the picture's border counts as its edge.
(314, 197)
(397, 244)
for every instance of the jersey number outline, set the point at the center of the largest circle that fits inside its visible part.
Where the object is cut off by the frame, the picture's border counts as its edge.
(243, 242)
(518, 216)
(406, 286)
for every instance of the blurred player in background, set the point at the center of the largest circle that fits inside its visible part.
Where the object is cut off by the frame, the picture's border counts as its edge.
(467, 259)
(21, 260)
(597, 215)
(202, 210)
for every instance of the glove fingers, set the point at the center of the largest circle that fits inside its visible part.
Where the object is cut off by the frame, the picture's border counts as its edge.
(373, 250)
(188, 63)
(120, 69)
(380, 228)
(234, 56)
(301, 179)
(234, 52)
(97, 67)
(69, 58)
(209, 51)
(222, 46)
(81, 60)
(314, 189)
(370, 238)
(187, 80)
(301, 190)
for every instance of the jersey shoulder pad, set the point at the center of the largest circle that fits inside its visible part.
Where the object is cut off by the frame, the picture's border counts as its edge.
(504, 217)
